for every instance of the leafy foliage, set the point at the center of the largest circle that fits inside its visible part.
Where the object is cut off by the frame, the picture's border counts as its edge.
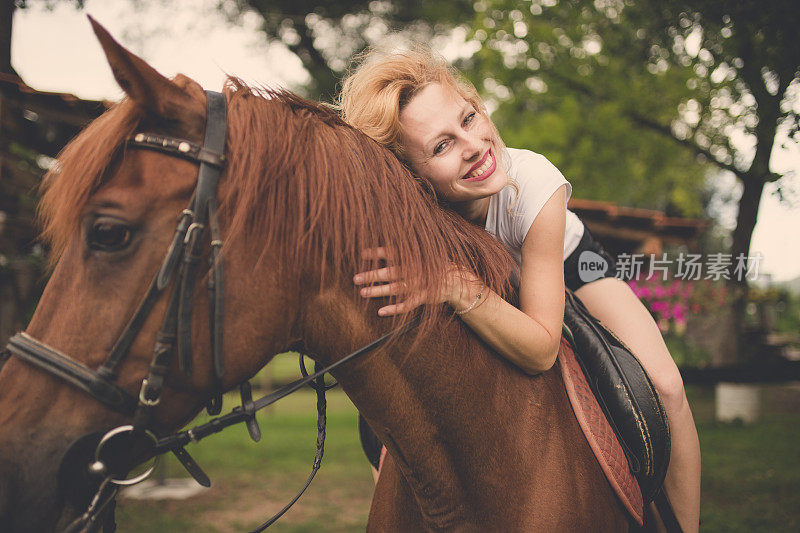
(325, 34)
(716, 78)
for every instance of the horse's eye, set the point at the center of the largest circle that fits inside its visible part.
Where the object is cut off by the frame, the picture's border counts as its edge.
(108, 236)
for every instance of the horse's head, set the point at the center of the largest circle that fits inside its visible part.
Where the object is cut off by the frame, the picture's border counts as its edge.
(300, 198)
(110, 211)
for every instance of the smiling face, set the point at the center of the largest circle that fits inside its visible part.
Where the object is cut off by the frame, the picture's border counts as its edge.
(449, 143)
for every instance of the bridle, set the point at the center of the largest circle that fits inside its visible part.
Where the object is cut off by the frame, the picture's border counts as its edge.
(182, 257)
(180, 265)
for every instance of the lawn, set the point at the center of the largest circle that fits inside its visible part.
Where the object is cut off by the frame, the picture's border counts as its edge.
(751, 474)
(252, 481)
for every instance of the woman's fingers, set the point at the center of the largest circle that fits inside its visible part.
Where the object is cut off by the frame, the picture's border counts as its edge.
(394, 309)
(405, 306)
(374, 276)
(390, 310)
(388, 289)
(390, 284)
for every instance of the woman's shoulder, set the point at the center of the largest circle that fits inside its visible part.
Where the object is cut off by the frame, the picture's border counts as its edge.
(532, 182)
(533, 177)
(526, 165)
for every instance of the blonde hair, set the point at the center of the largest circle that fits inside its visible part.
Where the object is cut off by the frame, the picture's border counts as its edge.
(380, 86)
(375, 92)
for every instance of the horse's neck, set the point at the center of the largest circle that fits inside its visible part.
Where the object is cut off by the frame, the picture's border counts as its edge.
(411, 402)
(434, 407)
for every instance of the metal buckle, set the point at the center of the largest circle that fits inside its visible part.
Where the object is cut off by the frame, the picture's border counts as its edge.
(143, 400)
(192, 227)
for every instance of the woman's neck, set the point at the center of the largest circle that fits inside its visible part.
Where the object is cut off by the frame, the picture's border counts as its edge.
(474, 211)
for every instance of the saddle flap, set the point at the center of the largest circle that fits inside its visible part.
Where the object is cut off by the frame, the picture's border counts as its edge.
(625, 394)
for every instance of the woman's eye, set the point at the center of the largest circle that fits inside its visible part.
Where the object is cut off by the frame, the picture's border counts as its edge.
(108, 236)
(439, 148)
(469, 118)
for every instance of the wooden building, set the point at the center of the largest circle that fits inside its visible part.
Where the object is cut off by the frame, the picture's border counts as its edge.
(634, 230)
(34, 126)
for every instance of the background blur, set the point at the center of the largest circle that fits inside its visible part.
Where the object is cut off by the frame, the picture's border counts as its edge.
(675, 121)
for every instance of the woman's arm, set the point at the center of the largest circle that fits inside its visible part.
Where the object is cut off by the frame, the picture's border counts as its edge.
(529, 336)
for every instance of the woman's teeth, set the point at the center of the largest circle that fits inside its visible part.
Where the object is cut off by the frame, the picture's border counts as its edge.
(483, 168)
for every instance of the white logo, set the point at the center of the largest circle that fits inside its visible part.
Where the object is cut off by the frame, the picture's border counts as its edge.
(591, 266)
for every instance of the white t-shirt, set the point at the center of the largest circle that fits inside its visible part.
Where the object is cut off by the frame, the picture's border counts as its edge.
(512, 211)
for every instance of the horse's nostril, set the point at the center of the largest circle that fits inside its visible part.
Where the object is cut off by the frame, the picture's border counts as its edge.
(74, 479)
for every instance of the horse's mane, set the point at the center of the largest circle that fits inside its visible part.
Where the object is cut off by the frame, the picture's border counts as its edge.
(300, 185)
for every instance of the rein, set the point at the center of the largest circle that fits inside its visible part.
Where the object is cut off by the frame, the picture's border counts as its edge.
(181, 264)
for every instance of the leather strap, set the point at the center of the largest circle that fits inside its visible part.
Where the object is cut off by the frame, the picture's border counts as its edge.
(206, 192)
(245, 412)
(36, 353)
(666, 513)
(99, 383)
(179, 148)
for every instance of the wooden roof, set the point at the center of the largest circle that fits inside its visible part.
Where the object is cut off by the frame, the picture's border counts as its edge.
(43, 121)
(634, 223)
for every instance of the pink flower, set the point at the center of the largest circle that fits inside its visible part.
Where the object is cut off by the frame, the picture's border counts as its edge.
(659, 307)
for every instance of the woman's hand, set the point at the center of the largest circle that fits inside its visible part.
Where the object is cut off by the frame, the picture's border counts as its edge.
(458, 285)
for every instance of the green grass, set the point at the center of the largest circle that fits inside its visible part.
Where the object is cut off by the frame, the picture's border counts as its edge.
(751, 474)
(252, 481)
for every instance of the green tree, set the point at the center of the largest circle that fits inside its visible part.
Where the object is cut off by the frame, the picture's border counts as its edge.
(719, 79)
(635, 169)
(601, 153)
(325, 34)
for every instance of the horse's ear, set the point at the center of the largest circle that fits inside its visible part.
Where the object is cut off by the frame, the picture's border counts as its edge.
(143, 84)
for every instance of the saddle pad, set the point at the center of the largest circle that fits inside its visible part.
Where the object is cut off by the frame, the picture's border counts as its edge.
(599, 434)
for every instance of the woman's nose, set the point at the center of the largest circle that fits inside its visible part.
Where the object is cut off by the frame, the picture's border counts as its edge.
(472, 146)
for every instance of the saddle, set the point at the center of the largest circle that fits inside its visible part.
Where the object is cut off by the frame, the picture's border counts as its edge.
(625, 394)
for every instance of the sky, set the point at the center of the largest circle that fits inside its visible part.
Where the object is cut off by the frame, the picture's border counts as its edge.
(56, 50)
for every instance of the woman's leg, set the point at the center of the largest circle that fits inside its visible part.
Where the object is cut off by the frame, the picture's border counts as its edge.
(614, 304)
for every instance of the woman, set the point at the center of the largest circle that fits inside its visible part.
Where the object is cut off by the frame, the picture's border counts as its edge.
(414, 104)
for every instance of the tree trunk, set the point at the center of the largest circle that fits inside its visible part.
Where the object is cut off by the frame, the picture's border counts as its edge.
(323, 78)
(742, 236)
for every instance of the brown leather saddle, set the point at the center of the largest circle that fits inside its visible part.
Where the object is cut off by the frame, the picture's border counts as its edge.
(625, 393)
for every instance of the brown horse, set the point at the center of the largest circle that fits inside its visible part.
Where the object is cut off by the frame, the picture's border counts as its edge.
(475, 444)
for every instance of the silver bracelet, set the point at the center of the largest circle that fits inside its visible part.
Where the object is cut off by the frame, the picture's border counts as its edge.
(473, 304)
